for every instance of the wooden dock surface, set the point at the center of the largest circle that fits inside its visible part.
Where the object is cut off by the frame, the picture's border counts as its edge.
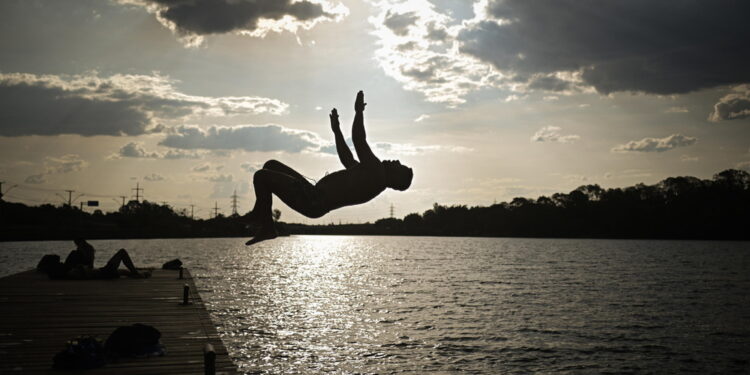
(38, 316)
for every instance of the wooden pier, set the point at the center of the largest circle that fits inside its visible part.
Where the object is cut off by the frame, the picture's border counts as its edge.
(38, 316)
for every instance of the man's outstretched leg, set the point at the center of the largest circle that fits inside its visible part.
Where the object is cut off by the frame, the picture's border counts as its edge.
(256, 216)
(276, 178)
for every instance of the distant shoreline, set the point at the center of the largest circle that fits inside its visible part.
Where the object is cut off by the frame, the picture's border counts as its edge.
(391, 235)
(677, 208)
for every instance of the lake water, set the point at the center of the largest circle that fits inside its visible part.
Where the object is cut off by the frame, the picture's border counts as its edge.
(336, 304)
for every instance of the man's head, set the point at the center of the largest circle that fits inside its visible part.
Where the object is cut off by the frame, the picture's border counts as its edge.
(397, 176)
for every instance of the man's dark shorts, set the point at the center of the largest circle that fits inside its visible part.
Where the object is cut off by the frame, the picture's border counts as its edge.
(312, 201)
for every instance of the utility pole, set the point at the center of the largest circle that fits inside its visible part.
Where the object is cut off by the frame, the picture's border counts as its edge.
(70, 197)
(216, 209)
(234, 203)
(391, 210)
(191, 211)
(138, 189)
(123, 200)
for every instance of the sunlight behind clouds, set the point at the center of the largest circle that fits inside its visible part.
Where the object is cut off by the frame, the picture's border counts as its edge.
(417, 47)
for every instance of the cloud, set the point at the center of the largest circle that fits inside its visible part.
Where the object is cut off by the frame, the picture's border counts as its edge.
(410, 149)
(421, 118)
(399, 23)
(220, 178)
(688, 158)
(153, 177)
(656, 144)
(193, 19)
(121, 104)
(35, 179)
(735, 105)
(677, 110)
(549, 83)
(266, 138)
(136, 150)
(665, 47)
(202, 168)
(575, 177)
(565, 46)
(398, 149)
(64, 164)
(744, 165)
(552, 134)
(250, 167)
(58, 165)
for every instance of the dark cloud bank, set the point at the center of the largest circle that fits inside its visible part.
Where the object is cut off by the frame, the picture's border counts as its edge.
(657, 47)
(118, 105)
(203, 17)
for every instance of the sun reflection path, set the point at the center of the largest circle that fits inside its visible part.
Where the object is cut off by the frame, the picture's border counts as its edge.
(298, 300)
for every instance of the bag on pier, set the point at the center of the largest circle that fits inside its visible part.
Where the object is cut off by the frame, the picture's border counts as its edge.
(174, 264)
(136, 340)
(47, 263)
(80, 353)
(52, 266)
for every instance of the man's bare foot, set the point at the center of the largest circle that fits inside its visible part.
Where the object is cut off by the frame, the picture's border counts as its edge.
(266, 232)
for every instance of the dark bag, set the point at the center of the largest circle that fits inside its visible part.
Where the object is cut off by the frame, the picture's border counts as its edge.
(174, 264)
(47, 263)
(138, 339)
(51, 265)
(80, 353)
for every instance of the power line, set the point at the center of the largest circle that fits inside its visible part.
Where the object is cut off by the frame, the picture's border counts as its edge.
(6, 192)
(27, 199)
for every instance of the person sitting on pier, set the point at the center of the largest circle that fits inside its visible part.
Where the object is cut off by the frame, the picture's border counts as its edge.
(358, 183)
(79, 264)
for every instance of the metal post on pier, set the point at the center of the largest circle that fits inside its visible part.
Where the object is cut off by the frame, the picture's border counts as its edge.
(209, 360)
(185, 295)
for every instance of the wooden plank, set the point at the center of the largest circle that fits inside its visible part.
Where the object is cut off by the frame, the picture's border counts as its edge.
(38, 316)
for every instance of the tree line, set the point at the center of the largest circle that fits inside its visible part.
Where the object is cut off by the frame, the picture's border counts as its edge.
(677, 207)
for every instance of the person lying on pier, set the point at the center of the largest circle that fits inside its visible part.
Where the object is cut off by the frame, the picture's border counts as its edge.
(79, 264)
(358, 183)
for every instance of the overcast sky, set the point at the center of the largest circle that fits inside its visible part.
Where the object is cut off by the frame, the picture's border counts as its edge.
(486, 101)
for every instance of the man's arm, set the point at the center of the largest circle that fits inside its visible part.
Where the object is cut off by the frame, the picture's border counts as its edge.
(359, 138)
(345, 154)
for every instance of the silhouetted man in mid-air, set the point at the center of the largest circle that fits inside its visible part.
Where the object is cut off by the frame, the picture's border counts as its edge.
(360, 182)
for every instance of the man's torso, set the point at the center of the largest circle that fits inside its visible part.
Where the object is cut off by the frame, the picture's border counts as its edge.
(356, 185)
